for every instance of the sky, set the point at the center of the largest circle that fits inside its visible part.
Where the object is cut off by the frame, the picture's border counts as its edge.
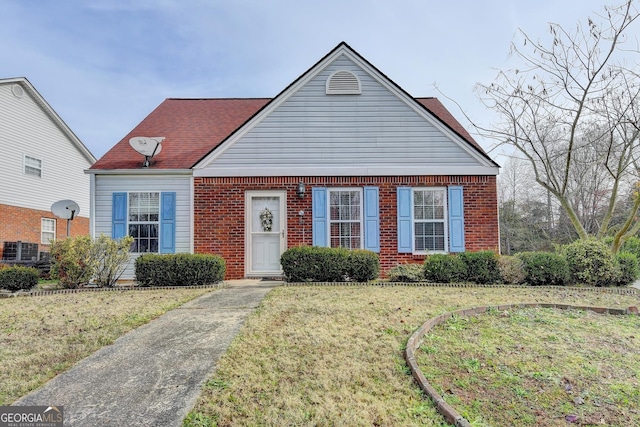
(104, 65)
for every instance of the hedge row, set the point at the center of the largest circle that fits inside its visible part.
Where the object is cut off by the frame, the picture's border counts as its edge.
(589, 262)
(320, 264)
(179, 269)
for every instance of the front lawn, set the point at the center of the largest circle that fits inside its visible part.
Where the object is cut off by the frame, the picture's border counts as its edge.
(329, 356)
(43, 336)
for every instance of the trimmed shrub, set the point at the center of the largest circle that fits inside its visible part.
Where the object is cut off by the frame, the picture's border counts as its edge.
(544, 268)
(321, 264)
(406, 273)
(481, 267)
(18, 278)
(179, 269)
(590, 262)
(363, 265)
(511, 270)
(444, 268)
(627, 270)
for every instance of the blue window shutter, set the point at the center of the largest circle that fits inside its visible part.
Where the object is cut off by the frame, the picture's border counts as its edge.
(168, 223)
(405, 245)
(319, 216)
(372, 219)
(119, 216)
(456, 219)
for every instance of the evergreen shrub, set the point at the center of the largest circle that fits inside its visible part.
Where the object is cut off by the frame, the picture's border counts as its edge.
(444, 268)
(322, 264)
(481, 267)
(179, 269)
(18, 278)
(544, 268)
(627, 270)
(590, 262)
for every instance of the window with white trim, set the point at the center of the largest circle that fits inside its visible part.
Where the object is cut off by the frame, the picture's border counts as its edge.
(429, 220)
(345, 218)
(144, 221)
(32, 166)
(47, 230)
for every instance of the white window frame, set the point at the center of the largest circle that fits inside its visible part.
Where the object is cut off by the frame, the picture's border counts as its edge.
(138, 222)
(29, 168)
(444, 220)
(360, 213)
(47, 228)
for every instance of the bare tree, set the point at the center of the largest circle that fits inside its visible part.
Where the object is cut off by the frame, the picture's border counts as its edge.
(571, 109)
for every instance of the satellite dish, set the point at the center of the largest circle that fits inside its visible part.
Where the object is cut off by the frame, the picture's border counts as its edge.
(147, 146)
(65, 209)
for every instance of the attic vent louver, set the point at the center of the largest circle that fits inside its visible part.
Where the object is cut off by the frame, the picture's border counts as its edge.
(343, 83)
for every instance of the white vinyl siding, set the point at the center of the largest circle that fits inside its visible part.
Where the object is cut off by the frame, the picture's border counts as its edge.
(375, 133)
(26, 129)
(106, 185)
(48, 230)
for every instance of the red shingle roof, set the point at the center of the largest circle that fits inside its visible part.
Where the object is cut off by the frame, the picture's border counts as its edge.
(194, 127)
(191, 127)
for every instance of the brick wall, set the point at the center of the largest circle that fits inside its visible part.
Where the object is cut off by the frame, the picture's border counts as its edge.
(219, 213)
(22, 224)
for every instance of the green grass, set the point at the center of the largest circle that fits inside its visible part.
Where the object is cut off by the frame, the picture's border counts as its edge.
(328, 356)
(535, 367)
(43, 336)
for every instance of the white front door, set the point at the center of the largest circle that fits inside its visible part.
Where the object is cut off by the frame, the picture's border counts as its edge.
(266, 232)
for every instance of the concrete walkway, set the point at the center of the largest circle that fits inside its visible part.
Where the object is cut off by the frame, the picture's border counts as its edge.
(152, 376)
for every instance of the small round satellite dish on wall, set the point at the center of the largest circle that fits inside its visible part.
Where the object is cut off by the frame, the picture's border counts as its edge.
(65, 209)
(147, 146)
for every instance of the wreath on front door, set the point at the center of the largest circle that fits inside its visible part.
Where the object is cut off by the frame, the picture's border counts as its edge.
(266, 219)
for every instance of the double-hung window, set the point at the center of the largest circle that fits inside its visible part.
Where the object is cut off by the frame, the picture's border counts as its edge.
(148, 217)
(429, 220)
(47, 230)
(144, 221)
(345, 218)
(32, 166)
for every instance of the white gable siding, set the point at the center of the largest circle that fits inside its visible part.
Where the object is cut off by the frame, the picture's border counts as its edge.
(25, 129)
(312, 132)
(106, 185)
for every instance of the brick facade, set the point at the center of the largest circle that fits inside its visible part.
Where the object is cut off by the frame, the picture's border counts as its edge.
(219, 213)
(25, 225)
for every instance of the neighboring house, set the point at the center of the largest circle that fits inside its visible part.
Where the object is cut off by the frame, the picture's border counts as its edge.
(41, 162)
(341, 157)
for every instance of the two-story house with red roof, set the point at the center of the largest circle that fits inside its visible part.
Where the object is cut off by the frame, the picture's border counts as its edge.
(343, 156)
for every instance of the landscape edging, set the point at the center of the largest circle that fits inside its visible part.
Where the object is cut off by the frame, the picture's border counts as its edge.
(446, 410)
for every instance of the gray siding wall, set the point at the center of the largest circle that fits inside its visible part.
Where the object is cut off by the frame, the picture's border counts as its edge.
(25, 129)
(106, 185)
(312, 129)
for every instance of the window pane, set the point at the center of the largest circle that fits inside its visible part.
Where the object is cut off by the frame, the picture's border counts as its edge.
(144, 212)
(345, 219)
(429, 236)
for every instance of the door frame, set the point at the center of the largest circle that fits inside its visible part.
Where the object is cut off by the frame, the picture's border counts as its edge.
(248, 260)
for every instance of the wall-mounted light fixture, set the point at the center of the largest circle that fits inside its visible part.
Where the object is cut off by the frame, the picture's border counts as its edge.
(301, 190)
